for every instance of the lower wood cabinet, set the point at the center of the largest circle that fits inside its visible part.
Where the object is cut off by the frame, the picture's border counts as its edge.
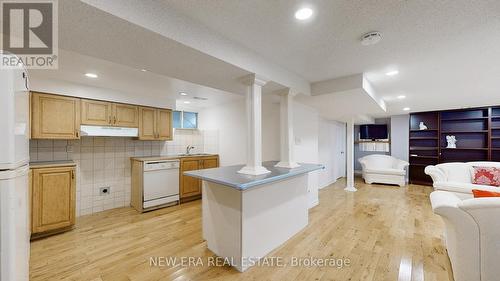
(190, 188)
(53, 199)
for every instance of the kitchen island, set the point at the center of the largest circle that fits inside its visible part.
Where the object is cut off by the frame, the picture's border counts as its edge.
(246, 217)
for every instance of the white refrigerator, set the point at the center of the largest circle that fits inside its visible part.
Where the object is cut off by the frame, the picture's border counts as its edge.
(14, 167)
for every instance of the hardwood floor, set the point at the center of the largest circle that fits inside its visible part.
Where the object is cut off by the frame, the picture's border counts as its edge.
(387, 233)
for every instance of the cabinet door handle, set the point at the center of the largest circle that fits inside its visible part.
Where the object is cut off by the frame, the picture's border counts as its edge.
(110, 119)
(77, 134)
(114, 120)
(72, 174)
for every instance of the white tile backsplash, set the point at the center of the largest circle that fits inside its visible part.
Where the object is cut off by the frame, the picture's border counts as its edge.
(105, 162)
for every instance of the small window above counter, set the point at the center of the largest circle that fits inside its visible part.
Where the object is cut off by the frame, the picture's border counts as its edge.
(185, 120)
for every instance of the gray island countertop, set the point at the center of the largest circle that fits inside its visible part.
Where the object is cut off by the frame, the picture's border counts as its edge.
(229, 175)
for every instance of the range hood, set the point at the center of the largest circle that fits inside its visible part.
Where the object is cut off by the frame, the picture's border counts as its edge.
(104, 131)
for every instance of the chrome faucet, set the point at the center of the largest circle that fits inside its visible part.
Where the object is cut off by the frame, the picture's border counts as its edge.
(188, 149)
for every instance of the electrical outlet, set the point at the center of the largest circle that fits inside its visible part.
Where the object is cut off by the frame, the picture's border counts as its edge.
(69, 148)
(105, 190)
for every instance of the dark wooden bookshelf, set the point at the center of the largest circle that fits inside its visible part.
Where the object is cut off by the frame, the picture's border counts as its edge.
(424, 138)
(478, 138)
(424, 145)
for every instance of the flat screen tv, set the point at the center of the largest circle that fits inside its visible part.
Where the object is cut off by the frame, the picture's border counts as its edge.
(373, 132)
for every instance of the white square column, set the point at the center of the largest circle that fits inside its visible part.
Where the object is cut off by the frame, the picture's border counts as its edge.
(254, 126)
(350, 157)
(286, 130)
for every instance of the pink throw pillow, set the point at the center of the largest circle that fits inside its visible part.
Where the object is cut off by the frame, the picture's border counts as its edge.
(487, 176)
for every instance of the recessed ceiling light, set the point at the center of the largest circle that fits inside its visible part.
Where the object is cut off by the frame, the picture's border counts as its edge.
(392, 73)
(401, 97)
(406, 109)
(187, 102)
(303, 14)
(91, 75)
(144, 70)
(183, 94)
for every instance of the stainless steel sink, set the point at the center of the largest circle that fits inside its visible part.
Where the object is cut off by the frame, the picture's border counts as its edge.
(195, 154)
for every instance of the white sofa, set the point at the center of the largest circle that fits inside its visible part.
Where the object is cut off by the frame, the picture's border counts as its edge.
(457, 177)
(472, 235)
(386, 169)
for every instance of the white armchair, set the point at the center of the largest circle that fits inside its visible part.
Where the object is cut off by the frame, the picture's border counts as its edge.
(386, 169)
(472, 234)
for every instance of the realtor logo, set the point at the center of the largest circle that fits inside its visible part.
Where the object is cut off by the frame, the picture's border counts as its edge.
(29, 31)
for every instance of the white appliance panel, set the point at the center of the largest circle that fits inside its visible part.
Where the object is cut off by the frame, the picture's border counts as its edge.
(161, 183)
(14, 124)
(14, 225)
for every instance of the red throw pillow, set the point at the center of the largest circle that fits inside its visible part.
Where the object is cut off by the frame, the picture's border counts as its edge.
(483, 193)
(487, 176)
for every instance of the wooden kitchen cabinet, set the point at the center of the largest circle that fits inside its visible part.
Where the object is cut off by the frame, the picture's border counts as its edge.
(155, 124)
(190, 188)
(53, 199)
(164, 124)
(125, 115)
(54, 117)
(147, 123)
(59, 117)
(96, 112)
(101, 113)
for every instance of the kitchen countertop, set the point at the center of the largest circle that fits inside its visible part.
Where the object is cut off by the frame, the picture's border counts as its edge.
(229, 175)
(169, 157)
(52, 164)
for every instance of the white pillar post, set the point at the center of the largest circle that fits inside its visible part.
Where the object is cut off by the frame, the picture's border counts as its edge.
(286, 130)
(350, 156)
(254, 126)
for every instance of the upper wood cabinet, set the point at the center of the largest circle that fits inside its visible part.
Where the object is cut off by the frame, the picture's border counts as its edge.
(60, 117)
(54, 117)
(96, 113)
(53, 202)
(164, 124)
(125, 115)
(155, 124)
(147, 123)
(103, 113)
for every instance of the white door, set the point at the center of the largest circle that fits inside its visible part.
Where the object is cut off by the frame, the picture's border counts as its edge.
(340, 150)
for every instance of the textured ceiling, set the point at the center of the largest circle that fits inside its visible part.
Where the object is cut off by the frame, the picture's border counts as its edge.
(446, 51)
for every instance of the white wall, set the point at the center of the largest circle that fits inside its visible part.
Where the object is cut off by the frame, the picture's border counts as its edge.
(306, 128)
(230, 121)
(78, 90)
(400, 126)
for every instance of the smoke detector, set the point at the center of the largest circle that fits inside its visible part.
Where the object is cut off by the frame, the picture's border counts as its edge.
(371, 38)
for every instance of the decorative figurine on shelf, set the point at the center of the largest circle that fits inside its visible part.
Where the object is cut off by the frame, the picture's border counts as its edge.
(422, 126)
(452, 141)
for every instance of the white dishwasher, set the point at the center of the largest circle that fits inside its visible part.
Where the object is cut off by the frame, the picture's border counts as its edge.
(161, 183)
